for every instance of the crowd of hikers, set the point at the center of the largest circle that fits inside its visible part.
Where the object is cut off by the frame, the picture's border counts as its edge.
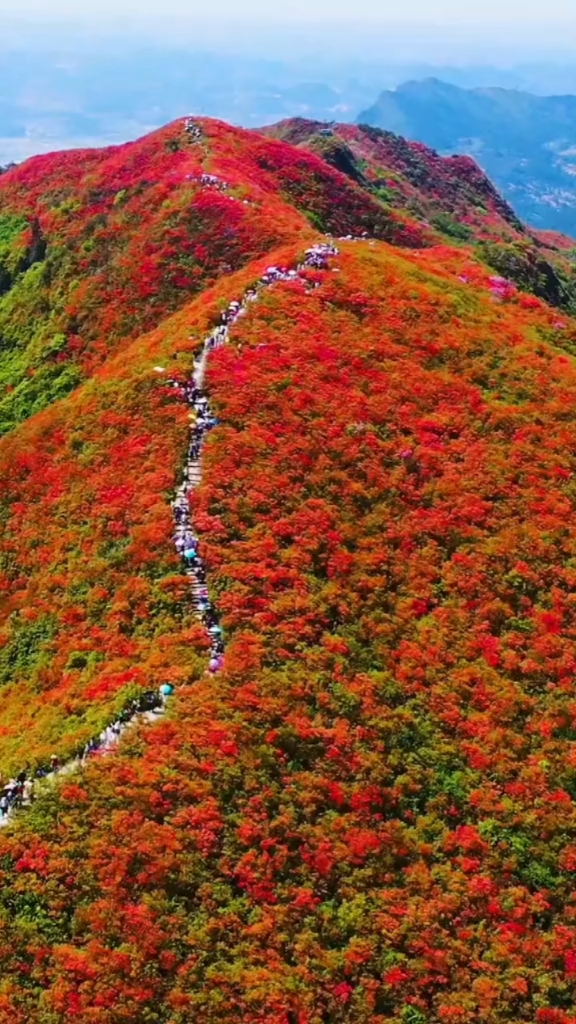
(193, 130)
(20, 790)
(203, 421)
(211, 181)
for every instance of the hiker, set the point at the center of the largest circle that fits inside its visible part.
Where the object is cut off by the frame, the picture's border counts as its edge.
(106, 737)
(10, 790)
(166, 690)
(27, 793)
(15, 797)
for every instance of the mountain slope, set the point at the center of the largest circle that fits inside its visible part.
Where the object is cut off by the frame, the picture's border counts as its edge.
(369, 813)
(450, 196)
(97, 246)
(406, 173)
(386, 515)
(524, 142)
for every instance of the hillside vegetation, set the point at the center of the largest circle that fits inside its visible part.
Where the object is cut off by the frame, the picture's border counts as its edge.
(369, 815)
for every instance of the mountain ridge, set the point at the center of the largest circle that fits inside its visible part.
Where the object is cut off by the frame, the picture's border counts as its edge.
(368, 811)
(82, 365)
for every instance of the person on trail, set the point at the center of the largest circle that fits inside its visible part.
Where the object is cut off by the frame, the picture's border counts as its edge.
(54, 763)
(27, 793)
(105, 737)
(4, 805)
(149, 701)
(15, 797)
(166, 690)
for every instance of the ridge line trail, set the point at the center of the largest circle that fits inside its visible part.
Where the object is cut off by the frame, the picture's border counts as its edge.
(186, 539)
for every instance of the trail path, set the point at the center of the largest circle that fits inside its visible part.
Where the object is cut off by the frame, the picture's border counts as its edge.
(186, 540)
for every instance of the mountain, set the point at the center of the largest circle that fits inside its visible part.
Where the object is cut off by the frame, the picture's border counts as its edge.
(367, 810)
(525, 143)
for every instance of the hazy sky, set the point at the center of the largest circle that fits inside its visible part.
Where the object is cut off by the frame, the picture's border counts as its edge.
(550, 15)
(452, 31)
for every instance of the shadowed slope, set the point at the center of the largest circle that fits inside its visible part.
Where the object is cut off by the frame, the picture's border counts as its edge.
(408, 174)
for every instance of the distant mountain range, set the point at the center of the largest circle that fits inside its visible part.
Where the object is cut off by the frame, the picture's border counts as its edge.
(57, 99)
(526, 143)
(64, 86)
